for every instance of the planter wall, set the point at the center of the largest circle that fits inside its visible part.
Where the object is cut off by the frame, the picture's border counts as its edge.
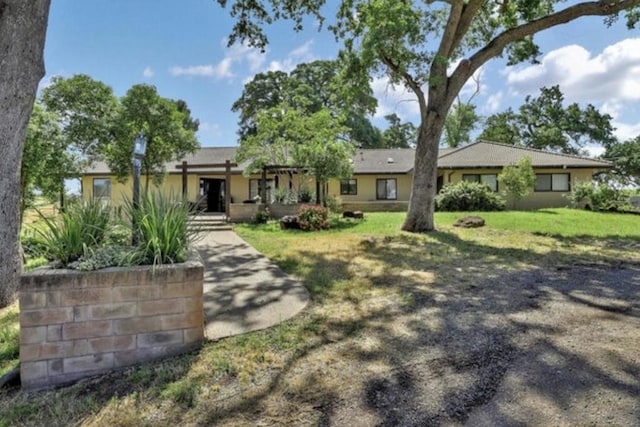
(244, 212)
(78, 324)
(279, 210)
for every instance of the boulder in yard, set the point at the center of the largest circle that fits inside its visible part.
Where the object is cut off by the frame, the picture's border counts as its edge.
(469, 222)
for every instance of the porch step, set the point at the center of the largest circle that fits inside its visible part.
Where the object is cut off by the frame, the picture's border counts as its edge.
(205, 222)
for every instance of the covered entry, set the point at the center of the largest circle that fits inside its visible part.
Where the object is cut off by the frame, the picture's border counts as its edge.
(212, 191)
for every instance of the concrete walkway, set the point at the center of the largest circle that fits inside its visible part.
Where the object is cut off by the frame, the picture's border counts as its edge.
(243, 290)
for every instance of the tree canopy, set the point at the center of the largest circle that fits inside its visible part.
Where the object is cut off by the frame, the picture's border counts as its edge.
(461, 121)
(545, 123)
(166, 124)
(309, 88)
(626, 161)
(398, 134)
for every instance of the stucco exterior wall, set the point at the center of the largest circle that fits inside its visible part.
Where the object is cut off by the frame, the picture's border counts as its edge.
(367, 188)
(536, 199)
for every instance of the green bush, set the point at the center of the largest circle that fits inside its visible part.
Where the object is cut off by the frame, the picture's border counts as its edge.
(161, 226)
(334, 204)
(262, 216)
(598, 196)
(284, 196)
(313, 218)
(468, 196)
(66, 238)
(305, 195)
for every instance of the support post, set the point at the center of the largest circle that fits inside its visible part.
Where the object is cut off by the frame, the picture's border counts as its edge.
(136, 199)
(184, 181)
(263, 186)
(227, 187)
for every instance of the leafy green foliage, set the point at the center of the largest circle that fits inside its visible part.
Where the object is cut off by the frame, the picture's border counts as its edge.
(398, 134)
(626, 161)
(82, 225)
(313, 218)
(166, 124)
(518, 180)
(288, 136)
(87, 109)
(545, 123)
(47, 160)
(309, 88)
(104, 256)
(598, 196)
(161, 224)
(460, 122)
(262, 216)
(468, 196)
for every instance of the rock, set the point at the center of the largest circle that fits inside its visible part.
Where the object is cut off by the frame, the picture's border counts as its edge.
(289, 222)
(353, 214)
(469, 222)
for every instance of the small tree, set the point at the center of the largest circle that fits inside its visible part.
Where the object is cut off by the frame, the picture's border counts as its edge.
(518, 180)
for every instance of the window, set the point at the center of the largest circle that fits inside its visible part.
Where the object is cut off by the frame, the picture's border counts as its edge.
(488, 179)
(349, 187)
(386, 189)
(254, 189)
(102, 188)
(552, 182)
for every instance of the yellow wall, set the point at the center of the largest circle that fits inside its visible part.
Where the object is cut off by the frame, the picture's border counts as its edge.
(172, 185)
(367, 187)
(536, 199)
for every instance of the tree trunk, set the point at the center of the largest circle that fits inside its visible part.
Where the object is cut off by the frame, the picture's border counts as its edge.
(425, 175)
(23, 26)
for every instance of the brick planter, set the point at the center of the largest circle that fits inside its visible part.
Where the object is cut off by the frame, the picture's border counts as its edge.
(78, 324)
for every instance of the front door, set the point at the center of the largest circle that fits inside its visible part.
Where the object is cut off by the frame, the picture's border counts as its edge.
(214, 189)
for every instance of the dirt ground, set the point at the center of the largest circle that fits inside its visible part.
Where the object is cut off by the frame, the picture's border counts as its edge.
(535, 347)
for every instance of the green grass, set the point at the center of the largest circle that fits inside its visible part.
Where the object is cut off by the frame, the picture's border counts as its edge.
(9, 338)
(558, 222)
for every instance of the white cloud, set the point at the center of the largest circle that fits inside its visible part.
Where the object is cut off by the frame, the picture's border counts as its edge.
(494, 102)
(302, 51)
(625, 131)
(236, 54)
(296, 56)
(148, 72)
(211, 128)
(609, 77)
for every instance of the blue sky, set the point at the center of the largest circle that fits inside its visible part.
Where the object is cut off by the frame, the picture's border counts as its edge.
(180, 47)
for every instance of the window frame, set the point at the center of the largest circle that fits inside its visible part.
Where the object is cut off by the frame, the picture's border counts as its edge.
(93, 188)
(479, 176)
(349, 185)
(395, 183)
(551, 187)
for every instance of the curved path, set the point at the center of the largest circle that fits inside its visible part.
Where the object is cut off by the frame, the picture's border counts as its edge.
(243, 290)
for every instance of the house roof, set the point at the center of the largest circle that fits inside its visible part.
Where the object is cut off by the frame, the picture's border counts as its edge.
(481, 154)
(492, 155)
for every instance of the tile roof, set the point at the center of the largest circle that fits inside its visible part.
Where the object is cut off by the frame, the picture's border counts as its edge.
(481, 154)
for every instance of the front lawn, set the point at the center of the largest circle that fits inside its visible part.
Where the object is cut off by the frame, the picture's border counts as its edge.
(406, 329)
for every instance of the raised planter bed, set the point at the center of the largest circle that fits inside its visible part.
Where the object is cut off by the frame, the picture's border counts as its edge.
(77, 324)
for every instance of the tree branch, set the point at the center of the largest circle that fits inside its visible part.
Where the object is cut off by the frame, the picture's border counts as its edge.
(411, 82)
(495, 47)
(439, 64)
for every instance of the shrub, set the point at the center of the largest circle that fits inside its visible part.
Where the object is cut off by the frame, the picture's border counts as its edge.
(334, 204)
(106, 256)
(284, 196)
(312, 218)
(80, 226)
(161, 225)
(468, 196)
(598, 197)
(305, 195)
(262, 216)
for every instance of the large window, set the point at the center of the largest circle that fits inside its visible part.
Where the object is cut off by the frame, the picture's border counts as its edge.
(552, 182)
(349, 187)
(488, 179)
(254, 189)
(102, 188)
(386, 189)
